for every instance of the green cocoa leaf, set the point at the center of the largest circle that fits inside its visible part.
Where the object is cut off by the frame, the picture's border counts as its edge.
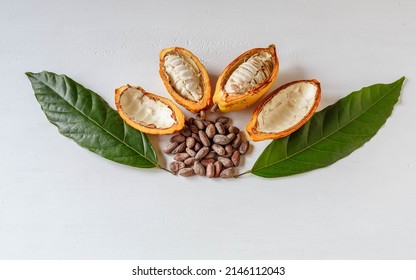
(330, 134)
(86, 118)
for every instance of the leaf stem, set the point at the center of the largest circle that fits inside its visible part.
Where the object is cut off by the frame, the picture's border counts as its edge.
(163, 168)
(241, 174)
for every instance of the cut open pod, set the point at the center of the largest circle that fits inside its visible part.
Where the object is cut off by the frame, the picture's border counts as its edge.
(246, 79)
(284, 110)
(185, 78)
(148, 112)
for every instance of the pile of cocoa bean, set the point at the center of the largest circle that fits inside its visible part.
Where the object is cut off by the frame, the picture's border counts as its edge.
(207, 148)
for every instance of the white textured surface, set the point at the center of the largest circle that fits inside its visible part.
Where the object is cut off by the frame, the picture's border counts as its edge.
(58, 201)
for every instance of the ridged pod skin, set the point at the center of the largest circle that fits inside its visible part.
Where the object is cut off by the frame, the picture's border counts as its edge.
(227, 102)
(163, 108)
(190, 63)
(284, 110)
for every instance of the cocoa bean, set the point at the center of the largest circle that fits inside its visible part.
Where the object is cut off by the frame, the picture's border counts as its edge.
(220, 128)
(210, 130)
(206, 161)
(170, 147)
(222, 120)
(228, 173)
(243, 148)
(189, 161)
(233, 129)
(226, 162)
(186, 131)
(186, 172)
(199, 124)
(202, 153)
(204, 138)
(181, 156)
(218, 168)
(180, 148)
(211, 154)
(218, 149)
(190, 152)
(228, 151)
(235, 158)
(190, 121)
(221, 139)
(197, 147)
(190, 142)
(196, 137)
(237, 141)
(194, 128)
(199, 169)
(210, 170)
(177, 138)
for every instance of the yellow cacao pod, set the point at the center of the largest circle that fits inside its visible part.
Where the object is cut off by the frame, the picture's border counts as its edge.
(185, 78)
(148, 112)
(246, 79)
(284, 110)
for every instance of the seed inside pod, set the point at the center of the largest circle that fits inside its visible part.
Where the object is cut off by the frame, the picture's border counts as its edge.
(284, 110)
(246, 79)
(148, 112)
(185, 78)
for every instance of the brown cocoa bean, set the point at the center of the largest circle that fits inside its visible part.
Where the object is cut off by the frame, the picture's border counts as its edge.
(186, 131)
(218, 168)
(208, 122)
(189, 161)
(174, 167)
(190, 142)
(181, 156)
(177, 138)
(210, 130)
(196, 137)
(211, 154)
(228, 150)
(204, 138)
(228, 173)
(231, 136)
(220, 128)
(190, 152)
(199, 169)
(218, 149)
(190, 121)
(206, 161)
(222, 120)
(202, 114)
(243, 148)
(226, 162)
(197, 147)
(180, 148)
(221, 139)
(235, 158)
(202, 153)
(186, 172)
(210, 170)
(199, 124)
(233, 129)
(237, 141)
(169, 149)
(193, 128)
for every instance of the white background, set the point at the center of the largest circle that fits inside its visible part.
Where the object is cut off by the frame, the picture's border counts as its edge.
(59, 201)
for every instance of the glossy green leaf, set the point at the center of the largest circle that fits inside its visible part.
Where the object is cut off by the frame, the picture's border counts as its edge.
(86, 118)
(330, 134)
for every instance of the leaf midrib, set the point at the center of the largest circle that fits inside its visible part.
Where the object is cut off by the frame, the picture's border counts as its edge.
(324, 138)
(93, 121)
